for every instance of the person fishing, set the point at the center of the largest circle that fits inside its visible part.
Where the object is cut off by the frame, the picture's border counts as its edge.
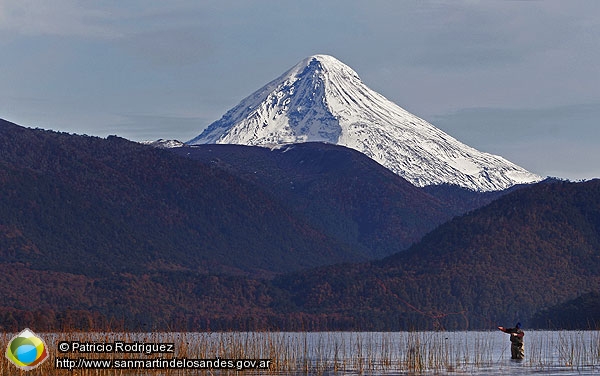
(516, 341)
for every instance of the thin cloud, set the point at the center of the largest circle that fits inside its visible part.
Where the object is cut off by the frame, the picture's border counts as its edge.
(65, 18)
(170, 47)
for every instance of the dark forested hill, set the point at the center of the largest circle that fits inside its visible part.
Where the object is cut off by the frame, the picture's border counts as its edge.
(110, 230)
(106, 233)
(532, 248)
(347, 195)
(581, 313)
(92, 206)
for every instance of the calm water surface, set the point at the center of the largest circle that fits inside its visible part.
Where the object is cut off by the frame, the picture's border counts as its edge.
(473, 353)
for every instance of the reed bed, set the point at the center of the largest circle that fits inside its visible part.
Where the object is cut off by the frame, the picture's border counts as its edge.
(333, 353)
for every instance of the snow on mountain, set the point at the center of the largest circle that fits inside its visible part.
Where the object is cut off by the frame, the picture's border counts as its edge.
(164, 144)
(322, 99)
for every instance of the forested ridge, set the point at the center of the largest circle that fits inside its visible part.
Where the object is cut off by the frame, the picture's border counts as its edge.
(93, 205)
(529, 250)
(109, 234)
(350, 197)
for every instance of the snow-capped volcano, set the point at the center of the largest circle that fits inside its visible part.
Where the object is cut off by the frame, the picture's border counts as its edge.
(322, 99)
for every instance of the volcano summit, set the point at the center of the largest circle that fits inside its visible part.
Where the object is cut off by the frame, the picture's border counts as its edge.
(321, 99)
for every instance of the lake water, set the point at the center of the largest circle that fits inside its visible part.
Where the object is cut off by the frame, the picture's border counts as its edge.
(357, 353)
(473, 353)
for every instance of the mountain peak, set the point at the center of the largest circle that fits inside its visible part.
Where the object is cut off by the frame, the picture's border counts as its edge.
(324, 58)
(321, 99)
(325, 63)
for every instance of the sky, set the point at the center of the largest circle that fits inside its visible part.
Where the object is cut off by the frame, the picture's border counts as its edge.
(519, 79)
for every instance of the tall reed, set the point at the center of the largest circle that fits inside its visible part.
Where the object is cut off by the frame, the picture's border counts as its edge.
(334, 353)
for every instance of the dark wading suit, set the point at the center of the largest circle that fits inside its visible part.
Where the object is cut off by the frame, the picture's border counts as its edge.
(517, 350)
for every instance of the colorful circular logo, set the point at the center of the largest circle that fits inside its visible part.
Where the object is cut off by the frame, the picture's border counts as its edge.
(26, 350)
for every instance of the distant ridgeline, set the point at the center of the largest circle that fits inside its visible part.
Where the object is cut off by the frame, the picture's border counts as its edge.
(580, 313)
(108, 234)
